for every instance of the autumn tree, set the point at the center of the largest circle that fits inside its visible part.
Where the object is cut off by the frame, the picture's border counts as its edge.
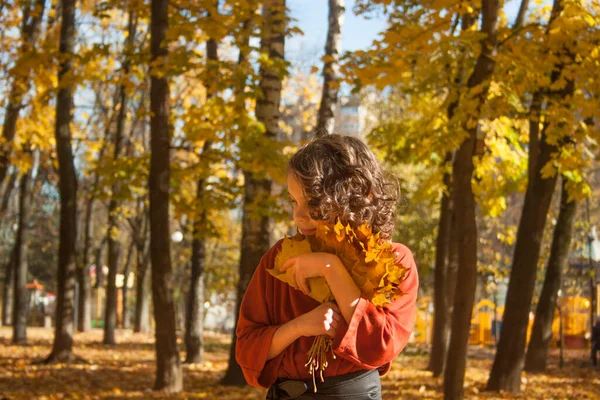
(114, 248)
(466, 226)
(32, 16)
(257, 186)
(140, 227)
(555, 136)
(445, 272)
(21, 298)
(65, 302)
(195, 301)
(168, 373)
(541, 332)
(83, 279)
(331, 68)
(29, 24)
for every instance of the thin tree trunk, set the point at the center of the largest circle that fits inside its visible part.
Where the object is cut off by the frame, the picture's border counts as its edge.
(8, 188)
(99, 284)
(441, 321)
(541, 333)
(140, 234)
(110, 311)
(83, 276)
(452, 269)
(464, 203)
(30, 30)
(142, 316)
(168, 373)
(255, 230)
(194, 318)
(84, 315)
(21, 297)
(114, 246)
(509, 360)
(467, 270)
(534, 133)
(63, 338)
(7, 293)
(521, 15)
(195, 305)
(444, 292)
(125, 290)
(331, 69)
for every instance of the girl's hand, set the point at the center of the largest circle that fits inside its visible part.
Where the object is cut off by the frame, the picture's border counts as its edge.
(307, 266)
(323, 320)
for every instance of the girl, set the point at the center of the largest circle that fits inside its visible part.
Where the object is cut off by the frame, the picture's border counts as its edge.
(331, 177)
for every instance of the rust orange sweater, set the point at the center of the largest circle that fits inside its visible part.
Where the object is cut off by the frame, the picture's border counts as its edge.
(372, 340)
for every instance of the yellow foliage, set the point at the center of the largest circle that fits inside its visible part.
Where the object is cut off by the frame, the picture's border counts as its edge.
(295, 246)
(369, 260)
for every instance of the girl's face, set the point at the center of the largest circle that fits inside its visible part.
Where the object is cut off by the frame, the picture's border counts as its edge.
(306, 225)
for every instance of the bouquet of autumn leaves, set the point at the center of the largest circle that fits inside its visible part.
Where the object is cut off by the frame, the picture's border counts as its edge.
(370, 261)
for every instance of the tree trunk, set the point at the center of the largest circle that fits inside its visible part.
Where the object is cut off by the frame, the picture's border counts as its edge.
(195, 305)
(506, 370)
(142, 316)
(99, 266)
(63, 338)
(534, 133)
(114, 246)
(452, 270)
(464, 203)
(255, 243)
(521, 15)
(541, 333)
(194, 317)
(509, 360)
(21, 297)
(331, 69)
(8, 188)
(125, 290)
(32, 18)
(83, 275)
(7, 293)
(168, 373)
(113, 256)
(255, 230)
(445, 287)
(441, 320)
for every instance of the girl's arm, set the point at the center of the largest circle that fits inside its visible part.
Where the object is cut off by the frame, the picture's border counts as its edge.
(285, 335)
(344, 289)
(323, 320)
(375, 336)
(329, 266)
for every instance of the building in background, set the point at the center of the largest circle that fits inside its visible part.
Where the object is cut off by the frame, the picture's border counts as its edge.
(350, 117)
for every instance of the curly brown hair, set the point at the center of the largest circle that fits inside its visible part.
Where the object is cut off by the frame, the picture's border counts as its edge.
(342, 178)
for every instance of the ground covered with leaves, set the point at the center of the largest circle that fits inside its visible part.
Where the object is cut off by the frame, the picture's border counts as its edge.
(127, 371)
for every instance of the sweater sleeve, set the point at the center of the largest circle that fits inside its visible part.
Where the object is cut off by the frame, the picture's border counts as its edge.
(374, 336)
(255, 328)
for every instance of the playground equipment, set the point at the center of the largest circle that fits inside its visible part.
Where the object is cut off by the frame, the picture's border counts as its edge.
(486, 323)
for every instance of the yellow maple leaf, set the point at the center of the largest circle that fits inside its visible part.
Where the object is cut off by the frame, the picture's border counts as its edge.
(379, 300)
(291, 247)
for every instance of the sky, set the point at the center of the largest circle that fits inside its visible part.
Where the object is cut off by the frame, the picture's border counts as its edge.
(357, 32)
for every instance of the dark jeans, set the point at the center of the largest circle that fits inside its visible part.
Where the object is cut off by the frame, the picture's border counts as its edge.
(362, 385)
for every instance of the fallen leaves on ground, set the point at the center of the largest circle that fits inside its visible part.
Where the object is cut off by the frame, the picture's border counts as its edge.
(127, 371)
